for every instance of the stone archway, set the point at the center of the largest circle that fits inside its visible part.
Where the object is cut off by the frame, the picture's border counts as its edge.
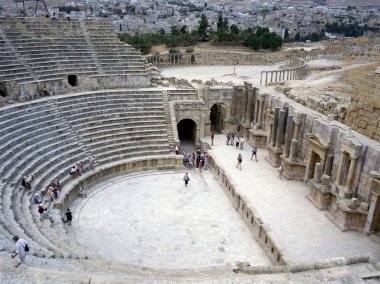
(217, 117)
(187, 134)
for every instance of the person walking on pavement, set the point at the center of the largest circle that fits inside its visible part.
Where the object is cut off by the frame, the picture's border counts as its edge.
(212, 138)
(254, 153)
(186, 178)
(240, 160)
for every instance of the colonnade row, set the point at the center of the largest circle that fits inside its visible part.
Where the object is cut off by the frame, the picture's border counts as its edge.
(282, 75)
(251, 110)
(334, 161)
(217, 58)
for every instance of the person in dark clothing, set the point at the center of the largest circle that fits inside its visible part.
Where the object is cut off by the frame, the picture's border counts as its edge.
(69, 216)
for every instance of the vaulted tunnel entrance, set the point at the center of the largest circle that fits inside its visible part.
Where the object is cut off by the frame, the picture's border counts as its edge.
(187, 134)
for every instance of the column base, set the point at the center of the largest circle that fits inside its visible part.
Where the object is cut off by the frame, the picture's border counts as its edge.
(258, 138)
(293, 169)
(343, 192)
(344, 217)
(274, 156)
(320, 195)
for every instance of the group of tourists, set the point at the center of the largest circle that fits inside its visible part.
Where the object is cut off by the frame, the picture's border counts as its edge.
(199, 160)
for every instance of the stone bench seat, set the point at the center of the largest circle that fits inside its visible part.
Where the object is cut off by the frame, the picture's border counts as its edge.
(14, 76)
(46, 171)
(18, 145)
(6, 67)
(24, 219)
(15, 229)
(10, 146)
(34, 159)
(25, 158)
(125, 137)
(105, 105)
(129, 146)
(111, 157)
(12, 113)
(65, 104)
(107, 99)
(96, 131)
(27, 120)
(85, 124)
(40, 80)
(130, 115)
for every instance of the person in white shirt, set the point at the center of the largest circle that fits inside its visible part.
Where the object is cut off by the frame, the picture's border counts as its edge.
(241, 142)
(20, 245)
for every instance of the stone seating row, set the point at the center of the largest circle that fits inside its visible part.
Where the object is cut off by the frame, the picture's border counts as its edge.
(56, 157)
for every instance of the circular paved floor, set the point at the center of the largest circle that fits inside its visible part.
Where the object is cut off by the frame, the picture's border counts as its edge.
(151, 219)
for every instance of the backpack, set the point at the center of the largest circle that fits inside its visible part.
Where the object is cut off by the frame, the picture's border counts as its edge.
(26, 247)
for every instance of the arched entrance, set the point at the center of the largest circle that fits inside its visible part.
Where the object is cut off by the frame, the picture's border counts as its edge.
(187, 134)
(217, 117)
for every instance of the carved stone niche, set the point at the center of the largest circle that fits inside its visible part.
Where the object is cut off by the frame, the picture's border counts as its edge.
(294, 168)
(372, 224)
(274, 154)
(318, 152)
(320, 194)
(348, 214)
(349, 154)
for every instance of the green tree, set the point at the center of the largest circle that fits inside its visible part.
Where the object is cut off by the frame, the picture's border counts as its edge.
(203, 28)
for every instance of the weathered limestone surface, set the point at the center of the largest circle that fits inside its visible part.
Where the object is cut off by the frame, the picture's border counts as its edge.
(364, 111)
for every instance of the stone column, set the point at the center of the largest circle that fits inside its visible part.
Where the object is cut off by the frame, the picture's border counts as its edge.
(288, 135)
(249, 107)
(266, 78)
(339, 173)
(318, 172)
(350, 176)
(255, 114)
(233, 103)
(275, 125)
(261, 109)
(293, 150)
(245, 94)
(280, 130)
(328, 165)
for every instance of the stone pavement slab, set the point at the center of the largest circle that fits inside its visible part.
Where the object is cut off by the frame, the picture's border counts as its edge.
(299, 227)
(151, 219)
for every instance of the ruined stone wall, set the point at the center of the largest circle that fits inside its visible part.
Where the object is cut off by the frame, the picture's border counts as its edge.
(364, 111)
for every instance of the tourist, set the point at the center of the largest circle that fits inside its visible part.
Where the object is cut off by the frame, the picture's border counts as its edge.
(37, 199)
(240, 160)
(237, 143)
(206, 162)
(186, 178)
(46, 215)
(202, 158)
(74, 171)
(82, 192)
(198, 158)
(232, 138)
(228, 138)
(185, 159)
(280, 171)
(191, 161)
(69, 216)
(91, 161)
(200, 165)
(56, 184)
(254, 153)
(54, 17)
(80, 169)
(50, 193)
(212, 138)
(176, 150)
(238, 129)
(26, 183)
(21, 247)
(45, 91)
(241, 142)
(41, 209)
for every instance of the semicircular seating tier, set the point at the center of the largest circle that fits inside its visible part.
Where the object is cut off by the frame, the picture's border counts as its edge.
(46, 137)
(85, 54)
